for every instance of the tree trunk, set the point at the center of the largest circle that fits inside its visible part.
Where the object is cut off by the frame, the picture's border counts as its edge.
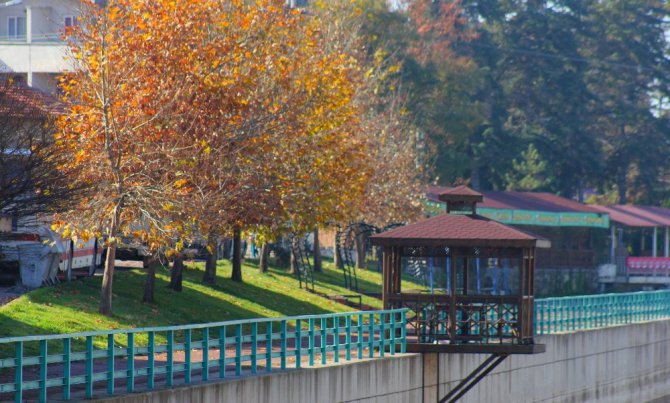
(210, 265)
(293, 265)
(318, 265)
(176, 276)
(226, 249)
(237, 256)
(108, 274)
(94, 261)
(360, 251)
(70, 260)
(265, 253)
(149, 263)
(336, 255)
(622, 187)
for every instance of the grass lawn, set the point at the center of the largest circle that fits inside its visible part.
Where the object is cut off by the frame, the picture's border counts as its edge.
(72, 307)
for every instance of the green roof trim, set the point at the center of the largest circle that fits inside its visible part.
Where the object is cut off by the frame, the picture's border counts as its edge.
(529, 217)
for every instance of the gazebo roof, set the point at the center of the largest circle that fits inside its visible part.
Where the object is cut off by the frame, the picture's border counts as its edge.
(459, 230)
(460, 193)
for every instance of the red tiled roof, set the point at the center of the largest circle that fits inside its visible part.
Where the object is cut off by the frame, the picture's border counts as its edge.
(457, 230)
(653, 216)
(521, 201)
(461, 191)
(625, 218)
(21, 101)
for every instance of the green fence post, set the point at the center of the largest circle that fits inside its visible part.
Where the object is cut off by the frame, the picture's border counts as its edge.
(254, 346)
(371, 337)
(222, 352)
(89, 367)
(169, 374)
(282, 356)
(360, 336)
(336, 338)
(403, 331)
(382, 334)
(18, 372)
(151, 369)
(131, 363)
(205, 354)
(43, 370)
(324, 340)
(392, 333)
(238, 350)
(67, 367)
(348, 337)
(311, 341)
(268, 347)
(110, 364)
(298, 343)
(187, 356)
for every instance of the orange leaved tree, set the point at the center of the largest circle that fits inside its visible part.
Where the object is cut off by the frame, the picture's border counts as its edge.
(194, 116)
(130, 124)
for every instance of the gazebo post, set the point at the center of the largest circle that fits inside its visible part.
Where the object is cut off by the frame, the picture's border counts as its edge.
(391, 274)
(387, 272)
(452, 295)
(397, 269)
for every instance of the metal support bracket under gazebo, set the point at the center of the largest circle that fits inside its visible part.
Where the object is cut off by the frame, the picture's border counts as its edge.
(473, 379)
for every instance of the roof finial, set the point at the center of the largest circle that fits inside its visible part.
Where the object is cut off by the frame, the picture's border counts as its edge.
(461, 199)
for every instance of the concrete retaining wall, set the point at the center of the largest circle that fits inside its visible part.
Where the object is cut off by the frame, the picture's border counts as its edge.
(620, 364)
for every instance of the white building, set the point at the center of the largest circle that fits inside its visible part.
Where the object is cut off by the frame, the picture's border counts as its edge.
(31, 46)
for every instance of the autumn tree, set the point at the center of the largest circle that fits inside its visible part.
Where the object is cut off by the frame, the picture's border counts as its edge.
(30, 183)
(285, 152)
(363, 29)
(129, 125)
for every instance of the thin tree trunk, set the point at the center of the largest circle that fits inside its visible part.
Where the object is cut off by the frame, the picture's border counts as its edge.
(94, 261)
(237, 256)
(360, 251)
(176, 277)
(108, 274)
(209, 277)
(70, 260)
(226, 249)
(149, 263)
(265, 253)
(336, 255)
(293, 266)
(318, 265)
(622, 188)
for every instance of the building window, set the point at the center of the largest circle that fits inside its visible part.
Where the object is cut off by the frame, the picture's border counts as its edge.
(71, 21)
(16, 27)
(15, 223)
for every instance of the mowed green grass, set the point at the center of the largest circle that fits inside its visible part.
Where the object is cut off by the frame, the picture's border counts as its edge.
(73, 307)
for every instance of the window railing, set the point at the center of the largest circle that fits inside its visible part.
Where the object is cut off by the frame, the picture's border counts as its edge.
(80, 365)
(46, 38)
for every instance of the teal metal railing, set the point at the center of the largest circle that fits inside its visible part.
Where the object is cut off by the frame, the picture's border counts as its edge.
(68, 366)
(568, 314)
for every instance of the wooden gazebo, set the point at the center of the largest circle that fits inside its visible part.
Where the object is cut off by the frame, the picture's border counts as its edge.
(478, 275)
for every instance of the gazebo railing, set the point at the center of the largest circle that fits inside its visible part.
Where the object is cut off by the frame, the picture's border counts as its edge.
(106, 362)
(472, 319)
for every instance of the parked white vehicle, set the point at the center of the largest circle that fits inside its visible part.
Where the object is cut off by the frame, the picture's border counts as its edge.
(41, 254)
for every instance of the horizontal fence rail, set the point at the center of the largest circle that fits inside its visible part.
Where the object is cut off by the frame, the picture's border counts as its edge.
(568, 314)
(85, 364)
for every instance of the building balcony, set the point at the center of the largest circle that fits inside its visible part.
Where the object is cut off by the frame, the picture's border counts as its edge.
(40, 54)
